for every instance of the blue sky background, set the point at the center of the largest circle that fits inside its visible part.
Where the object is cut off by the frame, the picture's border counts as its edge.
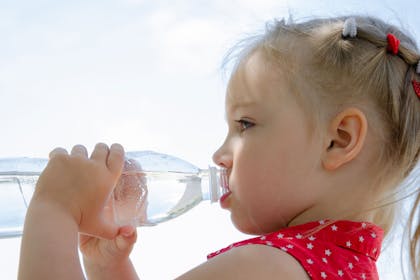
(145, 74)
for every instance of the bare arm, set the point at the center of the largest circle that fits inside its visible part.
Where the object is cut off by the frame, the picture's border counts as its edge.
(49, 245)
(118, 271)
(49, 250)
(249, 263)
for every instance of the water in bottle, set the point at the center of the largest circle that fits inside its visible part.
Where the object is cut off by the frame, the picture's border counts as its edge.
(153, 188)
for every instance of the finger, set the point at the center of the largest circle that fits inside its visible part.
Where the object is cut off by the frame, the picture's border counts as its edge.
(84, 238)
(100, 152)
(126, 238)
(115, 160)
(57, 151)
(79, 150)
(107, 230)
(129, 232)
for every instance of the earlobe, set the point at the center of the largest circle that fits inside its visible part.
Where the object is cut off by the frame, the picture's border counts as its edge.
(346, 136)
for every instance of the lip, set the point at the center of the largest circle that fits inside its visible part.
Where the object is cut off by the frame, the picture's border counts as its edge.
(223, 199)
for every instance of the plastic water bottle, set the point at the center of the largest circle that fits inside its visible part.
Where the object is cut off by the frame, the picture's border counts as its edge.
(153, 188)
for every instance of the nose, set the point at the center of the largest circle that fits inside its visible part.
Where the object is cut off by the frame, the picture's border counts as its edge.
(223, 157)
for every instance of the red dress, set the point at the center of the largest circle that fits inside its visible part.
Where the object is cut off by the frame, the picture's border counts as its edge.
(327, 249)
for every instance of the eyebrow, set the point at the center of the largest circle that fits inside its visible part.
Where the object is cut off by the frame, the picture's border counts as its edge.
(241, 104)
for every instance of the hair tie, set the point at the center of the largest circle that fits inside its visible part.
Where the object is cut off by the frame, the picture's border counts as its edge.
(393, 43)
(416, 87)
(349, 28)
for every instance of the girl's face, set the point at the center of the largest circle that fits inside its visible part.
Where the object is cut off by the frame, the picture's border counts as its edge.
(271, 157)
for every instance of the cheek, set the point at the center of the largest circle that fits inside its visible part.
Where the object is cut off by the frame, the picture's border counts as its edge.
(264, 195)
(254, 170)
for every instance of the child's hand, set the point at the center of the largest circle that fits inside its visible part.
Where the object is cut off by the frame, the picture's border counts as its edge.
(102, 256)
(81, 186)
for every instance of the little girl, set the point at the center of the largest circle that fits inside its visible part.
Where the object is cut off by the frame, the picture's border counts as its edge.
(324, 126)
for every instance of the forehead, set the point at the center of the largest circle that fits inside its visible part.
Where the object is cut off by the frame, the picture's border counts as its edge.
(256, 81)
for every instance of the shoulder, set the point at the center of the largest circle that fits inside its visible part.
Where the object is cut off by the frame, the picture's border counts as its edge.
(249, 262)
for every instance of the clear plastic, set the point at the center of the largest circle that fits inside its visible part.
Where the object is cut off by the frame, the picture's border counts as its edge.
(156, 187)
(153, 188)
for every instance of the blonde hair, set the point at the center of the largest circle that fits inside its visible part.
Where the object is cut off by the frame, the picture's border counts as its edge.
(330, 71)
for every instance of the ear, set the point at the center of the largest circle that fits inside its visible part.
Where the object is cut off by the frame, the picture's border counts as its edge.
(345, 138)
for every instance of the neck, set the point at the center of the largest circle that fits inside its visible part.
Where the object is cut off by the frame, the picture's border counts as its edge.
(346, 196)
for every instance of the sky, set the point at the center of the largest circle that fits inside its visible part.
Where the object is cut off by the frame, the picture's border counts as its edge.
(146, 74)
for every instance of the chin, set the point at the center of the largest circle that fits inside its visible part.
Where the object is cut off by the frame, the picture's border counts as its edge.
(245, 226)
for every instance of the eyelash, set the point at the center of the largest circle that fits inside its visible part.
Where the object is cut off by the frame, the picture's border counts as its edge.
(244, 124)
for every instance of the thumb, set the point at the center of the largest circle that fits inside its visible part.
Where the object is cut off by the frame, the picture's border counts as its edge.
(127, 236)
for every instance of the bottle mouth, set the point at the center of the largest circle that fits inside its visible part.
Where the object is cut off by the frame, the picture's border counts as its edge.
(224, 180)
(219, 183)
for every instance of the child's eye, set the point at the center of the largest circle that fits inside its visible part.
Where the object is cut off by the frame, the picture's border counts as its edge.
(244, 124)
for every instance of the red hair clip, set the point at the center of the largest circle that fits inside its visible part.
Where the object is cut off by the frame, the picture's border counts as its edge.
(393, 43)
(416, 87)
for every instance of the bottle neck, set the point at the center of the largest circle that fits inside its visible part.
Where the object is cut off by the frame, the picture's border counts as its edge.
(214, 183)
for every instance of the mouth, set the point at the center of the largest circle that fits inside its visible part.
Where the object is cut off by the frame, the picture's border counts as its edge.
(223, 199)
(226, 192)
